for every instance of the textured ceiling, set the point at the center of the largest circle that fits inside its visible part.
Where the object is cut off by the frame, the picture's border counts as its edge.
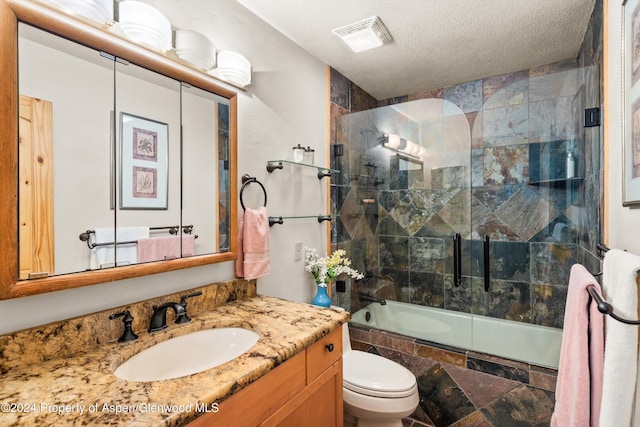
(437, 43)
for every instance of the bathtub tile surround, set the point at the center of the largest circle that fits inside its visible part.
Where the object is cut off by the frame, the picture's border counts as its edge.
(464, 388)
(82, 372)
(537, 232)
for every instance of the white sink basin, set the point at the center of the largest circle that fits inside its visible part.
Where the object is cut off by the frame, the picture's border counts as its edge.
(187, 354)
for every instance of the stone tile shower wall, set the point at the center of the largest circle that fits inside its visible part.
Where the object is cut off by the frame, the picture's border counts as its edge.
(517, 394)
(521, 126)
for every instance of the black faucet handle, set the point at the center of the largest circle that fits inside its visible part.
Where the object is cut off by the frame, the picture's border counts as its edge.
(127, 319)
(184, 318)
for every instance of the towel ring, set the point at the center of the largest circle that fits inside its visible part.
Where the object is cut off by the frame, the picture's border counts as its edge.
(246, 180)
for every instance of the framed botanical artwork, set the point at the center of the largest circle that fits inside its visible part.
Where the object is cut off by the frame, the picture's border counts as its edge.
(631, 104)
(144, 163)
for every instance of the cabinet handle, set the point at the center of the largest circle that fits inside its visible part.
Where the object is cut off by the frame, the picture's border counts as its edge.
(329, 347)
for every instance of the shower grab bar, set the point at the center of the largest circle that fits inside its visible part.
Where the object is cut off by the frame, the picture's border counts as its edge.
(487, 272)
(457, 261)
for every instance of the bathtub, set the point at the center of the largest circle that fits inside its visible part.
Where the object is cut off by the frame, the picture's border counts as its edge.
(534, 344)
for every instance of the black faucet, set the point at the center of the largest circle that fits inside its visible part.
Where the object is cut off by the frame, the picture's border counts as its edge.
(183, 302)
(159, 316)
(127, 319)
(369, 298)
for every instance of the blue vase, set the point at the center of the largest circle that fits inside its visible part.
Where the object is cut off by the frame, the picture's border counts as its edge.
(321, 299)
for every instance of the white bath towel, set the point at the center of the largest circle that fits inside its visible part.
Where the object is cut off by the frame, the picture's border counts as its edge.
(621, 340)
(107, 256)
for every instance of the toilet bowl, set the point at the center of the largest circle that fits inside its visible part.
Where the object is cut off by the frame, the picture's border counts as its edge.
(377, 392)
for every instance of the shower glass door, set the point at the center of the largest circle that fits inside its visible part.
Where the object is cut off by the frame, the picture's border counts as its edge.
(537, 169)
(404, 200)
(474, 210)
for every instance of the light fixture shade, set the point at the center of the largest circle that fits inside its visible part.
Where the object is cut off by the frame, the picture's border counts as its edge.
(195, 48)
(234, 67)
(393, 141)
(100, 11)
(145, 24)
(364, 35)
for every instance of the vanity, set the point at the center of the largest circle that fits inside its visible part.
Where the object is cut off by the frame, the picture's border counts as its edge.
(63, 373)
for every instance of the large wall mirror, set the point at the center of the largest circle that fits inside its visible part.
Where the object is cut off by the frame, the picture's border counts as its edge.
(124, 159)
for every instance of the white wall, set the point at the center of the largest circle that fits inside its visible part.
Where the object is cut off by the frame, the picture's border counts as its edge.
(285, 105)
(623, 222)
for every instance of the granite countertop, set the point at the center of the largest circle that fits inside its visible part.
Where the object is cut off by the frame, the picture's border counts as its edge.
(82, 390)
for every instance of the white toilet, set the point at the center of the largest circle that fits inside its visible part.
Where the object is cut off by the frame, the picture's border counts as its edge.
(378, 392)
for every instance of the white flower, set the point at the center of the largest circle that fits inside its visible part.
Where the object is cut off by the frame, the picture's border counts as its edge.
(328, 268)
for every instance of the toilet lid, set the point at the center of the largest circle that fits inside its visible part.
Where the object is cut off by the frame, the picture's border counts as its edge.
(373, 375)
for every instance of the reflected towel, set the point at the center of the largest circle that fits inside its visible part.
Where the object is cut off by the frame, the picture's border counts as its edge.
(579, 384)
(621, 342)
(165, 247)
(105, 256)
(253, 238)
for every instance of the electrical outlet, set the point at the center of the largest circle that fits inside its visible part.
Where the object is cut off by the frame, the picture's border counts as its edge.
(298, 254)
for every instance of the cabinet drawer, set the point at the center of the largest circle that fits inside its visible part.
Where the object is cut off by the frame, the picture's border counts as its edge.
(323, 354)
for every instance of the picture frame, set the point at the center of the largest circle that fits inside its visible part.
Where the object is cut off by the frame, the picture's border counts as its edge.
(144, 145)
(631, 103)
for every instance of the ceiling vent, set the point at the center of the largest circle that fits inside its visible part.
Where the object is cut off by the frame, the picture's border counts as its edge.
(364, 35)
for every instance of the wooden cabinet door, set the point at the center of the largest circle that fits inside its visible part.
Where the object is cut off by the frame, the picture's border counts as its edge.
(318, 405)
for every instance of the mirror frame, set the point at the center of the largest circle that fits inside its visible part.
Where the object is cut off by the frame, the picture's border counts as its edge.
(53, 21)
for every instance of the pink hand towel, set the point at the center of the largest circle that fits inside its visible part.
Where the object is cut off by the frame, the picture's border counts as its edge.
(165, 247)
(580, 374)
(253, 261)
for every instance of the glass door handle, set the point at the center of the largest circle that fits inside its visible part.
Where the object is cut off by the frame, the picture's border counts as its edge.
(487, 274)
(457, 260)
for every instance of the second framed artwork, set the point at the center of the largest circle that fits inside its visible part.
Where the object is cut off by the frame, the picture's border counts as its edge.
(144, 163)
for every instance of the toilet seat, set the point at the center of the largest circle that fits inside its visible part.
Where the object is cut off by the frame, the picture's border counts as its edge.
(375, 376)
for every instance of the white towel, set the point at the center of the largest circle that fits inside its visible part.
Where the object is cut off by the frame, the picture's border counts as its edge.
(621, 341)
(106, 256)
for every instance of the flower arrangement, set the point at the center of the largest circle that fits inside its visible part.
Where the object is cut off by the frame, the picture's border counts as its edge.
(328, 268)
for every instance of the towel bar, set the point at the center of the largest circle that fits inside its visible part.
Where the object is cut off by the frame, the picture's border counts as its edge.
(173, 229)
(606, 308)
